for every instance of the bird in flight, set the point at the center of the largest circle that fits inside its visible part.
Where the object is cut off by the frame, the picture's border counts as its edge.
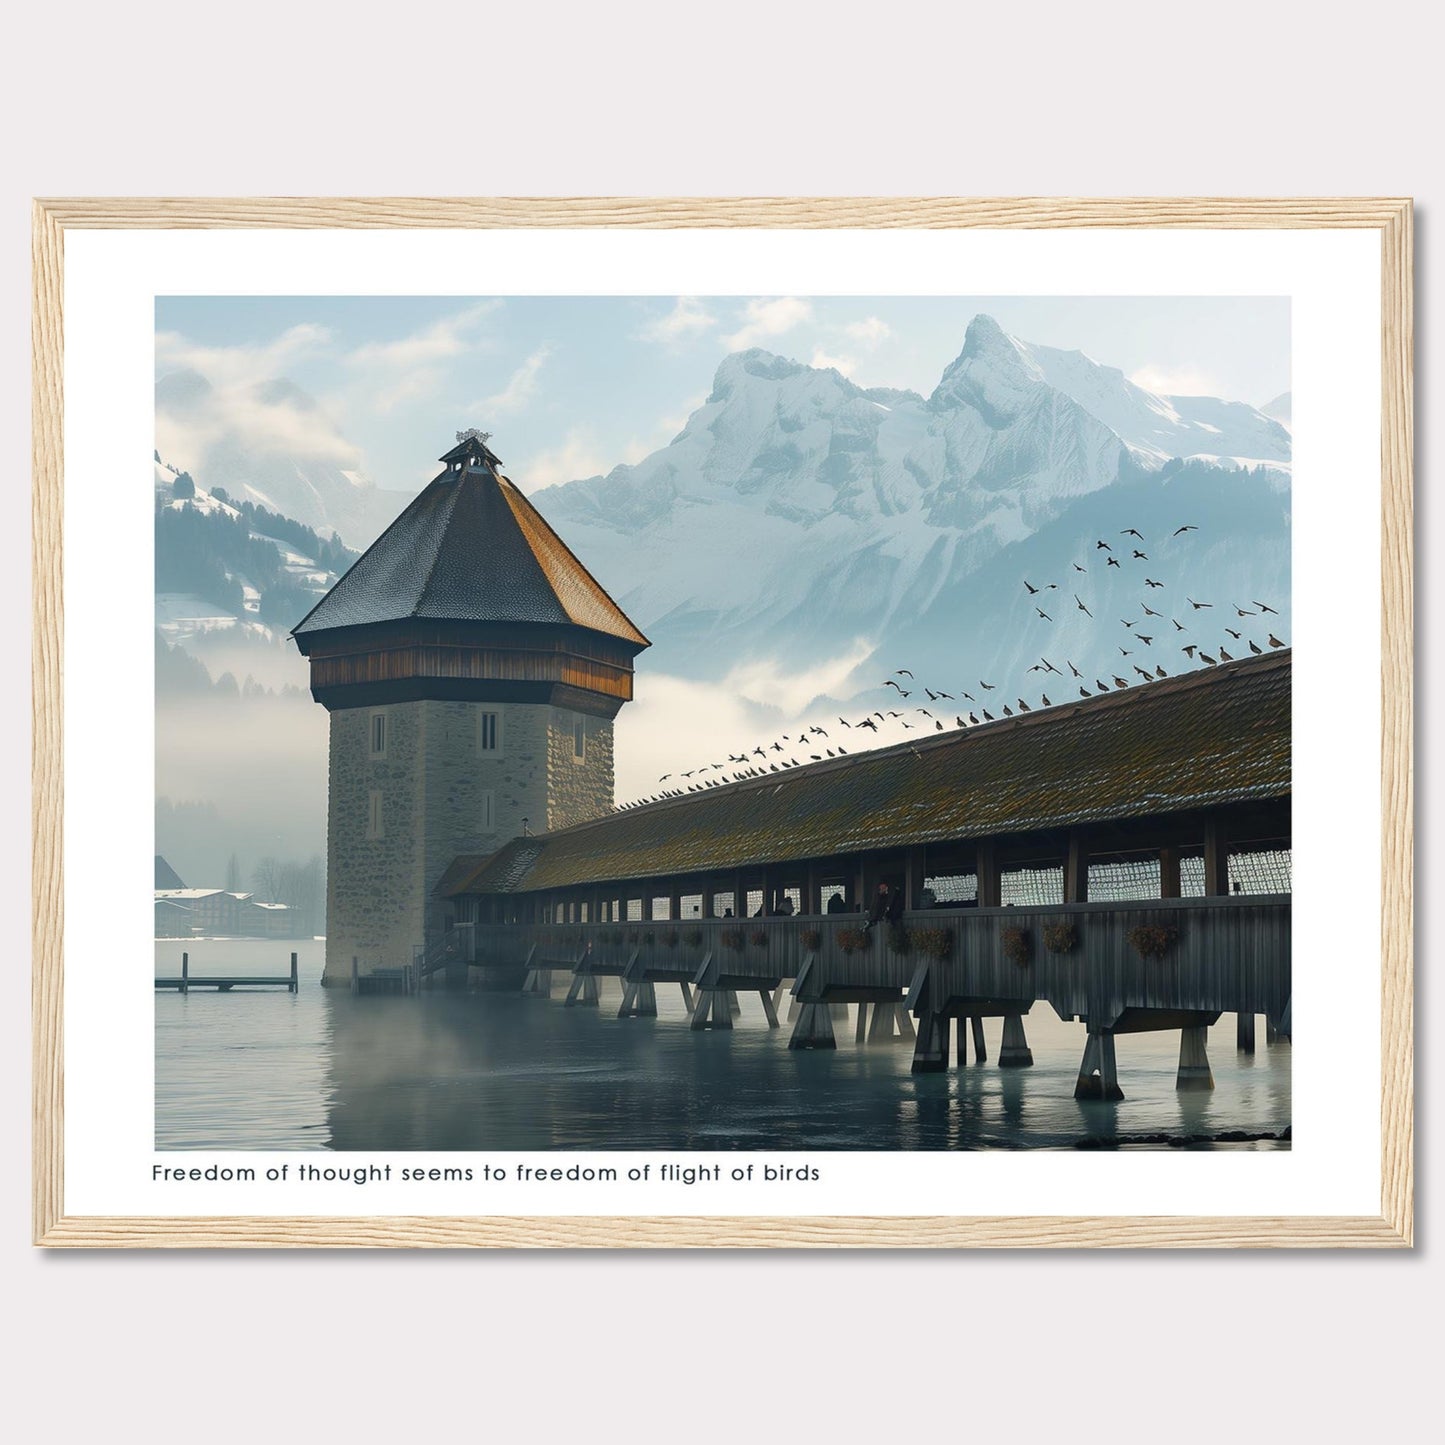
(1198, 605)
(1178, 625)
(968, 695)
(903, 672)
(1125, 651)
(1043, 614)
(1077, 568)
(1140, 556)
(1030, 586)
(1149, 611)
(1190, 650)
(1074, 669)
(1106, 547)
(987, 686)
(1189, 528)
(1113, 562)
(1150, 582)
(1235, 635)
(1048, 666)
(1126, 622)
(1082, 608)
(1263, 608)
(1239, 611)
(1132, 532)
(1147, 641)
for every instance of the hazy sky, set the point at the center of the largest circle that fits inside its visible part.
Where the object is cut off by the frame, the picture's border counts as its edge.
(570, 386)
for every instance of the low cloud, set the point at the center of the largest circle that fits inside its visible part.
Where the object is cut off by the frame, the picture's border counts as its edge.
(767, 320)
(1176, 381)
(442, 340)
(845, 365)
(757, 704)
(580, 455)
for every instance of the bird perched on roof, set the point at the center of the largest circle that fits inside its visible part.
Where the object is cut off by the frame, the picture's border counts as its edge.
(988, 716)
(960, 721)
(1159, 671)
(1274, 641)
(1224, 656)
(1143, 672)
(1102, 686)
(1084, 692)
(1119, 681)
(973, 719)
(1255, 648)
(1205, 657)
(1007, 710)
(1046, 701)
(1023, 706)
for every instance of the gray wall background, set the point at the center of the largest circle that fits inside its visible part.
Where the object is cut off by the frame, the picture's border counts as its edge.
(753, 98)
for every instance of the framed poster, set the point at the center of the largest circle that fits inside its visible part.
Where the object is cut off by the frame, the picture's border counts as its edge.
(808, 757)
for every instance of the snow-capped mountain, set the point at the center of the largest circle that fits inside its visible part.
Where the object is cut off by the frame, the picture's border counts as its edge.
(269, 445)
(799, 517)
(1157, 427)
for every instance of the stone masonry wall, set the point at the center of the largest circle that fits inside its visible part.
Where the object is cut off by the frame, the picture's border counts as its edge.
(432, 780)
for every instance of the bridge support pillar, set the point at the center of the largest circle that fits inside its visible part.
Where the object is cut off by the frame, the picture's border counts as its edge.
(980, 1048)
(862, 1024)
(1244, 1033)
(584, 990)
(890, 1023)
(1194, 1071)
(930, 1053)
(713, 1009)
(1014, 1051)
(1098, 1073)
(538, 982)
(639, 999)
(814, 1028)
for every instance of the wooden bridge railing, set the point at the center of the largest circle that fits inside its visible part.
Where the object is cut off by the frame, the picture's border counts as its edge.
(1229, 954)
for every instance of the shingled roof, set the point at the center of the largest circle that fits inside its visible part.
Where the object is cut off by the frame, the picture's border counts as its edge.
(470, 548)
(1220, 735)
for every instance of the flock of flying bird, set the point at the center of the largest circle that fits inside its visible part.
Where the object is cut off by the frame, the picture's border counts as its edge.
(1163, 629)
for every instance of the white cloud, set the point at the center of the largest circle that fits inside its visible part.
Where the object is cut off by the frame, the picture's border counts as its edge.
(870, 331)
(225, 366)
(580, 455)
(449, 337)
(1176, 381)
(844, 364)
(521, 386)
(688, 317)
(764, 320)
(754, 705)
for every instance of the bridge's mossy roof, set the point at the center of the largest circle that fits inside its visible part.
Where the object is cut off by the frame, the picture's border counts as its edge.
(1217, 736)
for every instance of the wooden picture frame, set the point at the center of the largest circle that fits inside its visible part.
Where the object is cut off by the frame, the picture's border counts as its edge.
(1392, 1226)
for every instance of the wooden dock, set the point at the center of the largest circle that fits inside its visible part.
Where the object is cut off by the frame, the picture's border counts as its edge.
(225, 983)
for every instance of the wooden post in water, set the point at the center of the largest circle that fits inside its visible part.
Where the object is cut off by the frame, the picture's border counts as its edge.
(185, 972)
(980, 1052)
(1244, 1033)
(294, 977)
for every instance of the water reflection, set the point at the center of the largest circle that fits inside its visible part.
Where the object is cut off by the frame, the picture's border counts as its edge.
(322, 1069)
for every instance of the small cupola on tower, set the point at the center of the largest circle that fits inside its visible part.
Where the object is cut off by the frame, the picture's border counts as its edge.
(472, 668)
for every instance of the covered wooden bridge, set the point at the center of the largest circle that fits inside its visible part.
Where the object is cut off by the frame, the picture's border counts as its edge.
(1124, 858)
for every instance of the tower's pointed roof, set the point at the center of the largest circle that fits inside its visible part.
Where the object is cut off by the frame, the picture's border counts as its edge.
(470, 548)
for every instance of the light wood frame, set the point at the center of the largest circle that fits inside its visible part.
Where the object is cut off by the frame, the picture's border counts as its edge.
(1393, 1226)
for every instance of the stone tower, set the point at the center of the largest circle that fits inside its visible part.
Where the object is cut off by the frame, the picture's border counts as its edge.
(472, 668)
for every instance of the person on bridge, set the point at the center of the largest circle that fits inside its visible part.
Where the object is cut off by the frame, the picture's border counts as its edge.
(881, 904)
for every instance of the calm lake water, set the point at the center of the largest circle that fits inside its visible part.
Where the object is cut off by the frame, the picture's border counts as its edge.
(320, 1069)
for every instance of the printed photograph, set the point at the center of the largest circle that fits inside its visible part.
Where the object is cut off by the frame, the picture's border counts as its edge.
(722, 723)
